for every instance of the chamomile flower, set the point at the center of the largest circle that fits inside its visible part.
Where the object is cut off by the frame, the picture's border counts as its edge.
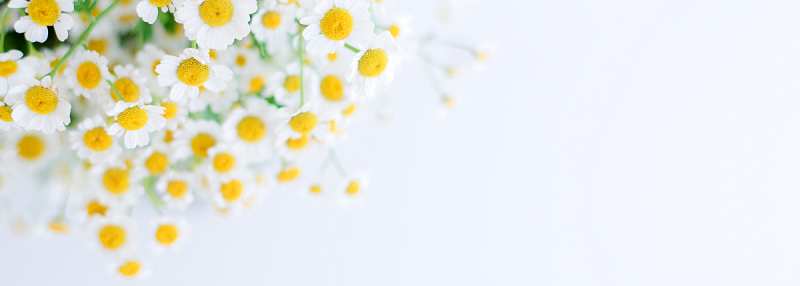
(131, 87)
(175, 113)
(251, 129)
(148, 9)
(91, 206)
(240, 59)
(176, 189)
(219, 101)
(377, 62)
(169, 233)
(43, 14)
(289, 173)
(130, 268)
(87, 73)
(28, 151)
(287, 87)
(190, 70)
(332, 23)
(351, 190)
(154, 160)
(37, 106)
(148, 59)
(195, 138)
(336, 92)
(105, 44)
(224, 160)
(230, 191)
(295, 148)
(134, 121)
(273, 24)
(214, 24)
(93, 142)
(116, 184)
(113, 234)
(6, 121)
(13, 69)
(307, 120)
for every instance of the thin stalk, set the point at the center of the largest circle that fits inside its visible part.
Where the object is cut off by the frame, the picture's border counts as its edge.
(148, 188)
(114, 88)
(300, 53)
(338, 164)
(3, 33)
(352, 48)
(194, 44)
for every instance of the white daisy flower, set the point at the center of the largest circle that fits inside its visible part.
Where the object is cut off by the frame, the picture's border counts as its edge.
(113, 234)
(332, 23)
(231, 191)
(251, 129)
(220, 101)
(376, 62)
(6, 121)
(13, 69)
(106, 44)
(130, 84)
(148, 9)
(93, 142)
(176, 113)
(273, 23)
(125, 16)
(135, 121)
(241, 59)
(90, 206)
(195, 138)
(130, 268)
(286, 89)
(148, 59)
(308, 120)
(224, 160)
(176, 189)
(117, 185)
(87, 73)
(169, 233)
(189, 70)
(154, 160)
(351, 190)
(37, 106)
(28, 151)
(289, 173)
(214, 24)
(296, 149)
(43, 14)
(336, 93)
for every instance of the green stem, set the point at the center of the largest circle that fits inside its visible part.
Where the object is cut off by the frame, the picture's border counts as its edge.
(352, 48)
(337, 164)
(300, 53)
(81, 39)
(194, 44)
(114, 88)
(148, 188)
(3, 33)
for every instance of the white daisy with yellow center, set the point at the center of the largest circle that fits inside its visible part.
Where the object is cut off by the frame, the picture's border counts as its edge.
(105, 44)
(130, 84)
(336, 93)
(332, 23)
(37, 106)
(195, 138)
(27, 151)
(224, 160)
(154, 160)
(176, 189)
(13, 68)
(231, 191)
(43, 14)
(135, 121)
(147, 59)
(169, 233)
(214, 24)
(376, 63)
(148, 9)
(240, 59)
(286, 87)
(130, 268)
(90, 206)
(309, 120)
(113, 233)
(93, 143)
(296, 149)
(289, 173)
(251, 129)
(176, 112)
(115, 183)
(351, 190)
(125, 16)
(6, 121)
(219, 101)
(273, 23)
(190, 70)
(87, 74)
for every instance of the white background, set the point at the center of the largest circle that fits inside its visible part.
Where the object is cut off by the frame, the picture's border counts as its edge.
(606, 143)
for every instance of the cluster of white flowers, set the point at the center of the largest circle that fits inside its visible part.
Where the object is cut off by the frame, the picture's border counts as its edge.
(165, 101)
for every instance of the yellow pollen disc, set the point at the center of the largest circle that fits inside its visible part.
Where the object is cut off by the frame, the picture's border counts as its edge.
(168, 136)
(94, 208)
(256, 84)
(41, 100)
(155, 64)
(44, 12)
(297, 144)
(88, 75)
(349, 110)
(31, 147)
(292, 83)
(97, 139)
(127, 88)
(7, 68)
(130, 269)
(157, 163)
(251, 129)
(336, 24)
(271, 20)
(171, 109)
(177, 189)
(192, 72)
(303, 122)
(112, 236)
(216, 12)
(316, 189)
(394, 30)
(58, 227)
(116, 181)
(167, 234)
(98, 45)
(224, 162)
(353, 188)
(241, 60)
(332, 88)
(133, 118)
(5, 113)
(160, 3)
(232, 190)
(332, 57)
(128, 163)
(373, 63)
(287, 175)
(201, 143)
(212, 54)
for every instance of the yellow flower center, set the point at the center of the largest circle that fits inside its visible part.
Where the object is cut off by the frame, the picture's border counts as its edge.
(256, 84)
(482, 56)
(168, 136)
(303, 122)
(353, 188)
(216, 12)
(167, 234)
(157, 163)
(170, 109)
(394, 30)
(336, 24)
(95, 207)
(7, 68)
(112, 236)
(130, 269)
(41, 100)
(241, 60)
(287, 175)
(192, 72)
(127, 88)
(160, 3)
(177, 189)
(224, 162)
(201, 143)
(251, 129)
(97, 139)
(44, 12)
(89, 75)
(373, 63)
(232, 190)
(133, 118)
(5, 113)
(333, 56)
(155, 64)
(292, 83)
(31, 147)
(97, 45)
(58, 227)
(116, 181)
(316, 189)
(271, 20)
(212, 54)
(332, 88)
(349, 110)
(297, 144)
